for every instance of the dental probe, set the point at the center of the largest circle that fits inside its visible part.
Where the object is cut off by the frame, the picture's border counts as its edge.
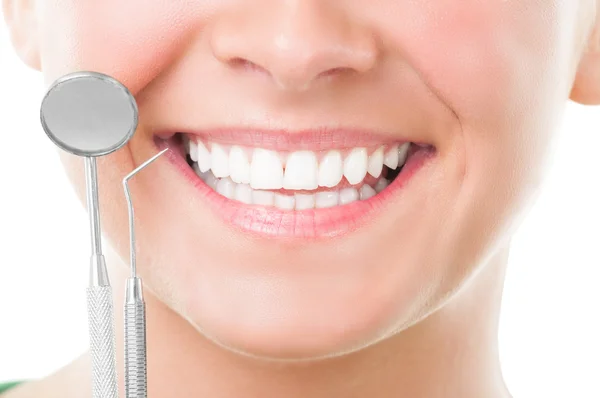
(91, 114)
(136, 383)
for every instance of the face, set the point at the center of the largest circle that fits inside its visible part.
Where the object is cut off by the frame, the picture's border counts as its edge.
(338, 170)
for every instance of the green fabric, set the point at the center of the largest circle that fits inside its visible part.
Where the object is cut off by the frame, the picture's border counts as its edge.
(7, 386)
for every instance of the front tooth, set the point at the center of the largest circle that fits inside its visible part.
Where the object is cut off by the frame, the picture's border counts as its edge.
(392, 157)
(326, 199)
(239, 166)
(202, 157)
(301, 171)
(263, 198)
(331, 169)
(381, 184)
(348, 195)
(355, 165)
(226, 187)
(243, 193)
(193, 150)
(376, 163)
(304, 201)
(266, 171)
(284, 202)
(219, 161)
(403, 153)
(366, 192)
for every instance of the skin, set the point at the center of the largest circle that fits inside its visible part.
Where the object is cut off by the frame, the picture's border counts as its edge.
(487, 81)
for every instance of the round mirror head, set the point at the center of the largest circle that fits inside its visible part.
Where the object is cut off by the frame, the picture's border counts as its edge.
(89, 114)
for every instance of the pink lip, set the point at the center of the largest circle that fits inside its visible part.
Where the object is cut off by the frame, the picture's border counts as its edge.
(271, 222)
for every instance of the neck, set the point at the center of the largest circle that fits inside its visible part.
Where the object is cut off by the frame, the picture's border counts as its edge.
(452, 353)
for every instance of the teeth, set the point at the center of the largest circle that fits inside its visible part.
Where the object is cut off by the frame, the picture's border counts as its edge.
(284, 202)
(266, 171)
(403, 153)
(304, 201)
(355, 165)
(226, 187)
(391, 157)
(263, 198)
(301, 171)
(219, 161)
(396, 156)
(331, 169)
(243, 193)
(239, 166)
(348, 195)
(193, 150)
(381, 184)
(367, 192)
(208, 177)
(230, 172)
(326, 199)
(202, 156)
(376, 163)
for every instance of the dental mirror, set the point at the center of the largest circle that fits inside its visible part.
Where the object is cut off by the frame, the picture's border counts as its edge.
(89, 114)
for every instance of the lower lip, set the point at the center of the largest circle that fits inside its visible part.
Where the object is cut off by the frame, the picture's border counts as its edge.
(271, 222)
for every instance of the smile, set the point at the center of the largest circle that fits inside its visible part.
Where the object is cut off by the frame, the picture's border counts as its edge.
(316, 189)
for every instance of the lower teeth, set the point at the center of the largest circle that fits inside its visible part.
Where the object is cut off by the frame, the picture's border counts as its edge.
(299, 201)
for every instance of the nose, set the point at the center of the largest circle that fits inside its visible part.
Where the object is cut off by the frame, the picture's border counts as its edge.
(294, 42)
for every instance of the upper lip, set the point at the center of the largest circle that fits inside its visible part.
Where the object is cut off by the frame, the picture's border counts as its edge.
(288, 140)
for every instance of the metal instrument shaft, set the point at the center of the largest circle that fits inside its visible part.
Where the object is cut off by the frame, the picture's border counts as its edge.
(136, 382)
(100, 301)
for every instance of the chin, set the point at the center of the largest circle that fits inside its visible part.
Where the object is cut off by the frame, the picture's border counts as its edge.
(285, 319)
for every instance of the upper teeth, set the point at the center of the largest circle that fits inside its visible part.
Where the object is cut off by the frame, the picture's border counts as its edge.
(300, 170)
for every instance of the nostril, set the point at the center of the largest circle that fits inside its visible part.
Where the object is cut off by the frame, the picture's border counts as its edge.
(335, 71)
(240, 63)
(246, 65)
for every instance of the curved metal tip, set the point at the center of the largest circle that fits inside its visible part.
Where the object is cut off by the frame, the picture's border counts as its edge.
(130, 207)
(143, 166)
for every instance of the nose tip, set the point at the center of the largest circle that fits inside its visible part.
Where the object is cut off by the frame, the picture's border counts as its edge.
(294, 46)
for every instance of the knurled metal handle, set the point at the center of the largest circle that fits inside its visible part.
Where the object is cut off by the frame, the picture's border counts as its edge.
(102, 342)
(135, 350)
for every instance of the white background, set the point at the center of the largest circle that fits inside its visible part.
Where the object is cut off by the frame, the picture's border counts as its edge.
(549, 337)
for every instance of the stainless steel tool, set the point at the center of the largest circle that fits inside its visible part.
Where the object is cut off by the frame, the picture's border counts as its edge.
(90, 114)
(136, 383)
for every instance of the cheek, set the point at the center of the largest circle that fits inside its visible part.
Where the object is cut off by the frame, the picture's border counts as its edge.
(74, 168)
(132, 41)
(502, 68)
(489, 61)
